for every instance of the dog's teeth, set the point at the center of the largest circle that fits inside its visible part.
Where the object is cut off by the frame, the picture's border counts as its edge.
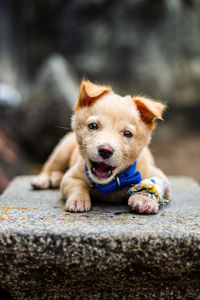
(109, 172)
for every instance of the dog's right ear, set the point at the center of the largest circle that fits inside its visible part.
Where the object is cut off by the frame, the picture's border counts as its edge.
(89, 93)
(149, 109)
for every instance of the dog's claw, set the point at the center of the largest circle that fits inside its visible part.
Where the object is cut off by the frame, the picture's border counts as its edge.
(143, 204)
(80, 205)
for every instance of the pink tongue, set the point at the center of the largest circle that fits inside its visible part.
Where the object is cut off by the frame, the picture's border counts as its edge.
(101, 169)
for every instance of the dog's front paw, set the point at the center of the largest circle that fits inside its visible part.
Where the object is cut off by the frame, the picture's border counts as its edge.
(45, 181)
(143, 204)
(41, 181)
(78, 203)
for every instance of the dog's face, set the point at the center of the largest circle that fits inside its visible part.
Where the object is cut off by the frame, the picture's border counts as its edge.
(112, 130)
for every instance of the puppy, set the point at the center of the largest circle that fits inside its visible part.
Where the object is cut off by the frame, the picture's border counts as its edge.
(107, 156)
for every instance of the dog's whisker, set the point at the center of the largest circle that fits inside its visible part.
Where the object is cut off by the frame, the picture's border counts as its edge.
(62, 127)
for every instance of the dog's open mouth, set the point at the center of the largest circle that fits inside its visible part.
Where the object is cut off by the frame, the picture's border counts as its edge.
(101, 170)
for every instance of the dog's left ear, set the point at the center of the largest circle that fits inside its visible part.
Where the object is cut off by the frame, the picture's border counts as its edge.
(89, 92)
(149, 109)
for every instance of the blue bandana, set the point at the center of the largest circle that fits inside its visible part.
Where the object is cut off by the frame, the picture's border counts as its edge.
(125, 179)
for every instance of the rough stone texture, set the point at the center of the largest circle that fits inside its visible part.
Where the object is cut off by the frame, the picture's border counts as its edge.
(108, 253)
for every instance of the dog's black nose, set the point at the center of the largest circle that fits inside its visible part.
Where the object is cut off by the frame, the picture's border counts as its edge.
(105, 151)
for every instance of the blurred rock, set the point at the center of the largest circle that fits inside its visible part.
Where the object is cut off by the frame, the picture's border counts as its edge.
(30, 128)
(45, 117)
(13, 159)
(9, 95)
(146, 46)
(57, 80)
(14, 83)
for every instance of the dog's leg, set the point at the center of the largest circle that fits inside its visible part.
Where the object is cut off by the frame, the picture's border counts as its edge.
(149, 193)
(75, 189)
(57, 163)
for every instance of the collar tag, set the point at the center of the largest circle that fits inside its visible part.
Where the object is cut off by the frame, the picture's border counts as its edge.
(118, 181)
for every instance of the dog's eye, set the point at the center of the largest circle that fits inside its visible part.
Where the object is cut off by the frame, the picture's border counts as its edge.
(93, 126)
(127, 134)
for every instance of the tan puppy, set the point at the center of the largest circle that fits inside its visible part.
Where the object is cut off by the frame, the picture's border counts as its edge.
(109, 139)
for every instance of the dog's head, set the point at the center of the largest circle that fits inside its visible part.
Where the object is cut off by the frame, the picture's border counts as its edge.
(112, 130)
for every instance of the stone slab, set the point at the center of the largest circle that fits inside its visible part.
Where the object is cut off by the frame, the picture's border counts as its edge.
(107, 253)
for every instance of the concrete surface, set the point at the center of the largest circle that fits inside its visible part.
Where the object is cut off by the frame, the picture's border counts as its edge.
(107, 253)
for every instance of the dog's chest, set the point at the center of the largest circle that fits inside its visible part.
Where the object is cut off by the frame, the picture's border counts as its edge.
(119, 196)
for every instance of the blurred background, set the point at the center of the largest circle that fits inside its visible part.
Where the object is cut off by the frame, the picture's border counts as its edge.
(148, 47)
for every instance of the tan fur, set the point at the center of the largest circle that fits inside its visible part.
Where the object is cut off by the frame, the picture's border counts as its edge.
(89, 92)
(114, 115)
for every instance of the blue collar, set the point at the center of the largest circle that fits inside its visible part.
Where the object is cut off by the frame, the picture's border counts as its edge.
(125, 179)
